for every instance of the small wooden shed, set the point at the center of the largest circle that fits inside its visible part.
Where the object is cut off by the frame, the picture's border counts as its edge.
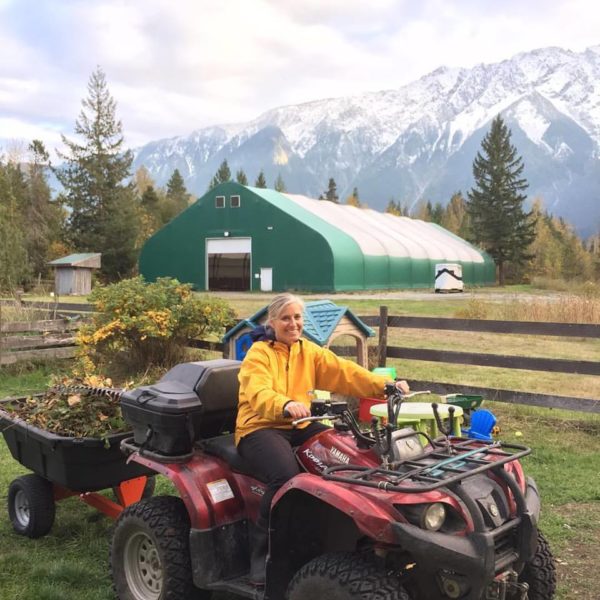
(324, 322)
(73, 273)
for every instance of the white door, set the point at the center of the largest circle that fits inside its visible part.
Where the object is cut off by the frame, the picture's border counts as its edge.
(266, 279)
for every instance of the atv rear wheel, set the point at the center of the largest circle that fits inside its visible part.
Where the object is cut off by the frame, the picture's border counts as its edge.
(344, 576)
(31, 506)
(540, 572)
(150, 553)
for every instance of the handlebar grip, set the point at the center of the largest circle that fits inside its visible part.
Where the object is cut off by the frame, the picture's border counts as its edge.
(436, 414)
(286, 413)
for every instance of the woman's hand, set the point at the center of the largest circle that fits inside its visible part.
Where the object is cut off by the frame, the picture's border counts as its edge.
(296, 410)
(402, 385)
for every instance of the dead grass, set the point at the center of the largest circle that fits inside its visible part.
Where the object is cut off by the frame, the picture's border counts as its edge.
(570, 308)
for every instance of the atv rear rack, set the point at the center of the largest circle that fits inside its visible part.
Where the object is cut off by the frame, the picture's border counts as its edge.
(434, 469)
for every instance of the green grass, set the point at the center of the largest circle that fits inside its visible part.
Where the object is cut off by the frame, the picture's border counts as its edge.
(72, 561)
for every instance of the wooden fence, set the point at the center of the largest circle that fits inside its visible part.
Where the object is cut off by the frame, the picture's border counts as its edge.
(384, 321)
(37, 340)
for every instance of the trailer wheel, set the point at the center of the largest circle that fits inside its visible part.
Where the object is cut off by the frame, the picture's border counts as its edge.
(31, 506)
(540, 572)
(150, 552)
(344, 576)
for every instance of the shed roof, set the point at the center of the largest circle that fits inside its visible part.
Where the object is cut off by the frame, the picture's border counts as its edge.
(321, 317)
(90, 260)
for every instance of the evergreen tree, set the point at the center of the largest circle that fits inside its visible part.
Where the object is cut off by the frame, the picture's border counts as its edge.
(260, 182)
(223, 175)
(280, 184)
(94, 175)
(241, 178)
(437, 213)
(331, 193)
(395, 208)
(44, 217)
(495, 207)
(151, 209)
(177, 194)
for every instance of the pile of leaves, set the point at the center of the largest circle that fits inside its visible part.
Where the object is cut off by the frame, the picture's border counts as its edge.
(74, 407)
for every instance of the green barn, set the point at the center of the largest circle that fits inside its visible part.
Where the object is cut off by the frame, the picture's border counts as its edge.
(243, 238)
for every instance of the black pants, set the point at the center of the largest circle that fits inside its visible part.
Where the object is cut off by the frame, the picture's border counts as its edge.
(269, 454)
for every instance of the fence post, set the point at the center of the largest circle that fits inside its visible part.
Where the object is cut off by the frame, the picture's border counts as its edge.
(383, 329)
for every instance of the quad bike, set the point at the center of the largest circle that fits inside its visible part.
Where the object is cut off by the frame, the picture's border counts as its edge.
(386, 514)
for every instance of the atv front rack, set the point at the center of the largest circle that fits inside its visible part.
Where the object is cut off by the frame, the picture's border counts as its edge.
(436, 468)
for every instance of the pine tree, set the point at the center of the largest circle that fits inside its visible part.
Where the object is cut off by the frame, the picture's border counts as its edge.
(43, 216)
(177, 193)
(151, 217)
(260, 182)
(331, 193)
(280, 184)
(394, 208)
(241, 178)
(495, 207)
(94, 175)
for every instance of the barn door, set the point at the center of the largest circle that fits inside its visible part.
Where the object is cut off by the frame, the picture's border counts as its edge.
(228, 264)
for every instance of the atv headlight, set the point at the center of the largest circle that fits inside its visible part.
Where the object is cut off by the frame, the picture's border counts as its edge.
(433, 517)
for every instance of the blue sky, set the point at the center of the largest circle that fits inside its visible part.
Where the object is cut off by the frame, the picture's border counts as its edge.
(173, 67)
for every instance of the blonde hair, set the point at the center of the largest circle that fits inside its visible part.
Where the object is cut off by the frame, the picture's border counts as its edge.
(279, 303)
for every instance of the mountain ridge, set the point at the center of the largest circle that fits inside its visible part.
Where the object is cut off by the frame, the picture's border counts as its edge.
(419, 141)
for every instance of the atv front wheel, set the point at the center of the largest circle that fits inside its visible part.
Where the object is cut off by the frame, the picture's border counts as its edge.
(540, 572)
(344, 576)
(150, 552)
(31, 506)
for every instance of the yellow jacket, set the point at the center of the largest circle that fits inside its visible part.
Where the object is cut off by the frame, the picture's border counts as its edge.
(273, 373)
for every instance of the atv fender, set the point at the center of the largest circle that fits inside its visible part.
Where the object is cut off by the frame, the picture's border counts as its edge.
(207, 487)
(371, 516)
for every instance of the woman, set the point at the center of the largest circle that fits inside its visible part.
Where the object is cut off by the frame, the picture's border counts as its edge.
(277, 378)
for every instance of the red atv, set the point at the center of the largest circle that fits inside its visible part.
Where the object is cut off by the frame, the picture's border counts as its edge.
(385, 514)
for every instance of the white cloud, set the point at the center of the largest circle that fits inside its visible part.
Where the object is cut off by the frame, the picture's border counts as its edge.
(174, 67)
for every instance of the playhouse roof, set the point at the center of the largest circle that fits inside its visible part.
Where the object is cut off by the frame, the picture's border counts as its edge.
(321, 317)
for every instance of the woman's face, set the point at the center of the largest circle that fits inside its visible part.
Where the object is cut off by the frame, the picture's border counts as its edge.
(288, 325)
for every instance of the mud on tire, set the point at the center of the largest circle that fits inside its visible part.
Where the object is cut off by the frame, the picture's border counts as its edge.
(344, 576)
(540, 572)
(150, 554)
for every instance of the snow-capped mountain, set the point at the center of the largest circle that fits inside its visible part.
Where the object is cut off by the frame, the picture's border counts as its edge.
(419, 141)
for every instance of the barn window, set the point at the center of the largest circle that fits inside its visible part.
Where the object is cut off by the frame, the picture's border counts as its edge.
(234, 201)
(220, 202)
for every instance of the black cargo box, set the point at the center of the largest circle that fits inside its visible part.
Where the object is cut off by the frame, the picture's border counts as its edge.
(79, 464)
(192, 401)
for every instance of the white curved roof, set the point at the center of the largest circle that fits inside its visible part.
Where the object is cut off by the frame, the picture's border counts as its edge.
(384, 234)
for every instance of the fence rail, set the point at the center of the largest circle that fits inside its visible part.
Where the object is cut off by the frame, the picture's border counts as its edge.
(384, 321)
(55, 339)
(36, 340)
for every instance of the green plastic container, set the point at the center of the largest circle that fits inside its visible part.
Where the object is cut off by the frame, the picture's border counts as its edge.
(465, 401)
(389, 372)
